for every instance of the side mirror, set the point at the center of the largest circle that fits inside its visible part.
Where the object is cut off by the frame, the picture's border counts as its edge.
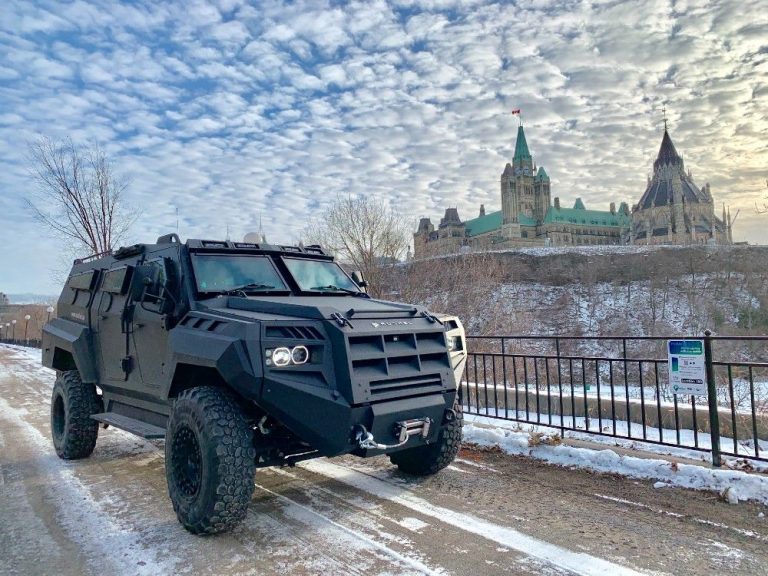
(144, 277)
(357, 276)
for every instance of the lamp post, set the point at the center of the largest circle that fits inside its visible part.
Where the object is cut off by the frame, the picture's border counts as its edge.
(7, 327)
(13, 330)
(49, 310)
(26, 328)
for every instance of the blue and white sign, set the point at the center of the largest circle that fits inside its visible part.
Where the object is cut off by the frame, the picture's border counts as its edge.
(687, 368)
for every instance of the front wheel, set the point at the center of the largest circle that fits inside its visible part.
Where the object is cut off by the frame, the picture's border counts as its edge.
(72, 404)
(209, 460)
(427, 460)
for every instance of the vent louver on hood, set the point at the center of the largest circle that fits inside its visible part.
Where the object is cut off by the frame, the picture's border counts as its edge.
(294, 332)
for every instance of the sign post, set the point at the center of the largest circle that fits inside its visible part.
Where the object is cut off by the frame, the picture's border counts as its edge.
(691, 372)
(687, 367)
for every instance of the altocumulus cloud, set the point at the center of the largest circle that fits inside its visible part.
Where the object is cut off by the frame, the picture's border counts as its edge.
(227, 110)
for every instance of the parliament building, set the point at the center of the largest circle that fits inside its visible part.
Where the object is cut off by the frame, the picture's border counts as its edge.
(671, 211)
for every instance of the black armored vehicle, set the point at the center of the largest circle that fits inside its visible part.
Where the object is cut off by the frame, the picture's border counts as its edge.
(245, 355)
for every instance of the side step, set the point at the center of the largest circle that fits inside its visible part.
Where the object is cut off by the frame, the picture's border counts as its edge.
(131, 425)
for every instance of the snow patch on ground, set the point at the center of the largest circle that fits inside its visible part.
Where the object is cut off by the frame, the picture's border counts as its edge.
(734, 485)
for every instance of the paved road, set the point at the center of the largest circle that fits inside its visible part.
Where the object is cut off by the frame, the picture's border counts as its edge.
(487, 514)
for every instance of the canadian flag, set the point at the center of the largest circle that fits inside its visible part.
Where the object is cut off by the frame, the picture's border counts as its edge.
(516, 112)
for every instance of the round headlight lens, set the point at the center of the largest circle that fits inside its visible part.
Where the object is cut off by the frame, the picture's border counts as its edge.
(300, 355)
(281, 356)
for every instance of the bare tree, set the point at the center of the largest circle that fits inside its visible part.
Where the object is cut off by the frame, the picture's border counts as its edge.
(364, 232)
(78, 195)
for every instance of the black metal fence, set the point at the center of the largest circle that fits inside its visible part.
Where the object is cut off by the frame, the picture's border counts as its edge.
(31, 343)
(619, 387)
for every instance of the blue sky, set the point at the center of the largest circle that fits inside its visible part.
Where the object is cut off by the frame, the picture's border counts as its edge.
(227, 110)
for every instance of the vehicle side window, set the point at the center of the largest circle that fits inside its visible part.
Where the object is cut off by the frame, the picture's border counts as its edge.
(155, 290)
(117, 280)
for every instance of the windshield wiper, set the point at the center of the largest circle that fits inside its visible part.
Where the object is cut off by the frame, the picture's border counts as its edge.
(332, 288)
(246, 287)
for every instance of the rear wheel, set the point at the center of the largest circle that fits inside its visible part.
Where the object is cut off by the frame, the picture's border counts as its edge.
(427, 460)
(209, 460)
(72, 404)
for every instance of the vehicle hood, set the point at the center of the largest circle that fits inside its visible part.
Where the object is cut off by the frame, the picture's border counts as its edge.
(313, 307)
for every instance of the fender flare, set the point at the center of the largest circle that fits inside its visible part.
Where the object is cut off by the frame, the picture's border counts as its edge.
(225, 355)
(73, 338)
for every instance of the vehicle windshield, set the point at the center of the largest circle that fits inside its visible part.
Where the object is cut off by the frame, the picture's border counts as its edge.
(316, 275)
(219, 273)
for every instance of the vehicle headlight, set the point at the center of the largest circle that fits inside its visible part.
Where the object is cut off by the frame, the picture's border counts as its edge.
(454, 343)
(284, 356)
(299, 355)
(280, 356)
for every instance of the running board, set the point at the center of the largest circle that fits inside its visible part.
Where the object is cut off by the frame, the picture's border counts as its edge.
(148, 431)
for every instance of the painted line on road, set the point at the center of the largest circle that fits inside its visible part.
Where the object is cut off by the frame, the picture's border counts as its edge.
(415, 564)
(577, 562)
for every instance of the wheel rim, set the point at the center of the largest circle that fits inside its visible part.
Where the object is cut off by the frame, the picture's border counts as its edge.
(59, 417)
(186, 462)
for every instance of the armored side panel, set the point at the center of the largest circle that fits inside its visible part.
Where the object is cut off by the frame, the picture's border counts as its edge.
(68, 339)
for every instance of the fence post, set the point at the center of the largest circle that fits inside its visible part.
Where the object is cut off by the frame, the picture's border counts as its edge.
(714, 416)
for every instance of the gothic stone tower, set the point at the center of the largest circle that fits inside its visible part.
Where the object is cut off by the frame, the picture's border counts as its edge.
(524, 191)
(672, 209)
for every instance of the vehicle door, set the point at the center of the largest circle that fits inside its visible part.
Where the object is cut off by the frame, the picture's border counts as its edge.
(114, 342)
(152, 319)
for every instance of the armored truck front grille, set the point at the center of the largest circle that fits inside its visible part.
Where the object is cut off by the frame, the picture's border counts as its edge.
(396, 387)
(399, 365)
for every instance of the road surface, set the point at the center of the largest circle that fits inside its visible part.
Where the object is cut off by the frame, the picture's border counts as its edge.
(488, 513)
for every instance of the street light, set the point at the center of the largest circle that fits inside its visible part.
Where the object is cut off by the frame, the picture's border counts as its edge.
(26, 328)
(7, 327)
(13, 330)
(49, 310)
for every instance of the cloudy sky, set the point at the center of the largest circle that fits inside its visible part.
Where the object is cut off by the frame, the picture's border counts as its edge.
(225, 110)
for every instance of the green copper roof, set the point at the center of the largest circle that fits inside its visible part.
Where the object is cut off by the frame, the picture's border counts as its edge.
(583, 217)
(521, 146)
(579, 205)
(542, 174)
(493, 221)
(483, 224)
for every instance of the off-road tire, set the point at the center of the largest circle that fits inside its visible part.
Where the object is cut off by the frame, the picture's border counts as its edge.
(427, 460)
(73, 402)
(209, 460)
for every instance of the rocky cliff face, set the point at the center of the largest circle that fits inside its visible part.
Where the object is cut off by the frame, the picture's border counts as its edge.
(596, 291)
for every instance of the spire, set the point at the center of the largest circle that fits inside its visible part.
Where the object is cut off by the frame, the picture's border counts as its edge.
(667, 152)
(521, 146)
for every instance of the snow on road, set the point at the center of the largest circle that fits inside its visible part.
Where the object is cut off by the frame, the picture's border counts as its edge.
(579, 563)
(111, 511)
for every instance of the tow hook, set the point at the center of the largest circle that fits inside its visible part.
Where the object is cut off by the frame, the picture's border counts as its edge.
(450, 415)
